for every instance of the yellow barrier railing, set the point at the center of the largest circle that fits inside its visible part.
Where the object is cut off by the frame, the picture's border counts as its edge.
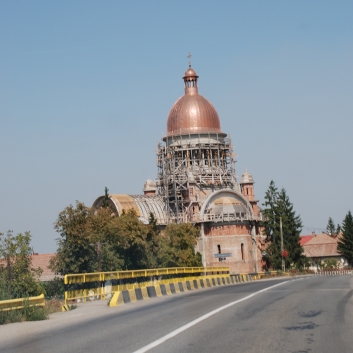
(154, 275)
(259, 275)
(15, 304)
(106, 276)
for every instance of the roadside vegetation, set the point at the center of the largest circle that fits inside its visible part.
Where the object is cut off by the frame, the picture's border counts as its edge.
(17, 277)
(19, 280)
(28, 313)
(103, 241)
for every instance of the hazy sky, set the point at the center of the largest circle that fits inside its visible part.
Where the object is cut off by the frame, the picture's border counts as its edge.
(86, 88)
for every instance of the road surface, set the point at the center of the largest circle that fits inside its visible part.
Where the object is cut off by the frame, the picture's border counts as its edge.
(310, 314)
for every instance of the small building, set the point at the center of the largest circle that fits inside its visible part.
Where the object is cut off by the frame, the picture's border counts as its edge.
(319, 248)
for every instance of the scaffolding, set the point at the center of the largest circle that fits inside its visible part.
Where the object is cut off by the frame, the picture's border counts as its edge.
(190, 167)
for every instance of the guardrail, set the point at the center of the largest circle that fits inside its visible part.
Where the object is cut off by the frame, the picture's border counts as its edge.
(334, 272)
(99, 285)
(15, 304)
(259, 275)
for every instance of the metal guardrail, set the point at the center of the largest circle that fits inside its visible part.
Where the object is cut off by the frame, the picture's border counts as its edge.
(334, 272)
(106, 276)
(15, 304)
(137, 278)
(259, 275)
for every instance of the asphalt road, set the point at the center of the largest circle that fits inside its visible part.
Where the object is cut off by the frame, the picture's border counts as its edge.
(311, 314)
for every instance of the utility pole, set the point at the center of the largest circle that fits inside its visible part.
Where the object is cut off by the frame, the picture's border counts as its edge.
(280, 226)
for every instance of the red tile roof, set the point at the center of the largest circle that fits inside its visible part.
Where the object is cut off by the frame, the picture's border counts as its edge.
(305, 238)
(42, 261)
(321, 245)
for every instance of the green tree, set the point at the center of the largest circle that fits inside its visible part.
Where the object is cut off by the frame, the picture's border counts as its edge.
(128, 235)
(125, 242)
(17, 277)
(271, 226)
(75, 253)
(338, 229)
(177, 246)
(345, 243)
(277, 206)
(99, 233)
(331, 229)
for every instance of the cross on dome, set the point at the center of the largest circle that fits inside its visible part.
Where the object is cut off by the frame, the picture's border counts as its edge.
(189, 57)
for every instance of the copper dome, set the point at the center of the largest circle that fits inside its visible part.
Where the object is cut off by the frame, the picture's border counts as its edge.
(192, 113)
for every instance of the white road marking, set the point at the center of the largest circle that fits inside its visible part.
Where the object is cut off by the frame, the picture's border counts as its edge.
(201, 318)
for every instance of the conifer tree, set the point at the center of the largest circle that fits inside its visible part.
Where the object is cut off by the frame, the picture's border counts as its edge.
(345, 244)
(271, 226)
(331, 228)
(338, 229)
(277, 205)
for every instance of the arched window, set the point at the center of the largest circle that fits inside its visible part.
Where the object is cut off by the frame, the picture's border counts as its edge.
(242, 251)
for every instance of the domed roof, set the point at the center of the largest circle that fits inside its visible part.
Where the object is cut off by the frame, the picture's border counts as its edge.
(192, 113)
(190, 72)
(149, 185)
(247, 178)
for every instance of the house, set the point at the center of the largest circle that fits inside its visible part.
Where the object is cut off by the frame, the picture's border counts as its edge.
(321, 247)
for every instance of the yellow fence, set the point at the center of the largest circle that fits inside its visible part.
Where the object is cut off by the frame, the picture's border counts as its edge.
(150, 277)
(15, 304)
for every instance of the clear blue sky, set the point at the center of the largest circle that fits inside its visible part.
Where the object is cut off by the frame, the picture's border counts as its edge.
(86, 88)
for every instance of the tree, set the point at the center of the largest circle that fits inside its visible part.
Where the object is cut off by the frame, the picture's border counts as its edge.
(75, 253)
(121, 241)
(331, 229)
(98, 230)
(17, 277)
(277, 206)
(177, 246)
(271, 226)
(338, 229)
(90, 237)
(345, 243)
(128, 235)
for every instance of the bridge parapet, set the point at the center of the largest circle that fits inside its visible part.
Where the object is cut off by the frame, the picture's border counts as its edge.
(101, 285)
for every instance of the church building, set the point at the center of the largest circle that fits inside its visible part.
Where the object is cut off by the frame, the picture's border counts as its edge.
(196, 183)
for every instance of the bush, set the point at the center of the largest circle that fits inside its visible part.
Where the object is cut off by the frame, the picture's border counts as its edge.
(54, 288)
(330, 264)
(7, 317)
(28, 313)
(34, 313)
